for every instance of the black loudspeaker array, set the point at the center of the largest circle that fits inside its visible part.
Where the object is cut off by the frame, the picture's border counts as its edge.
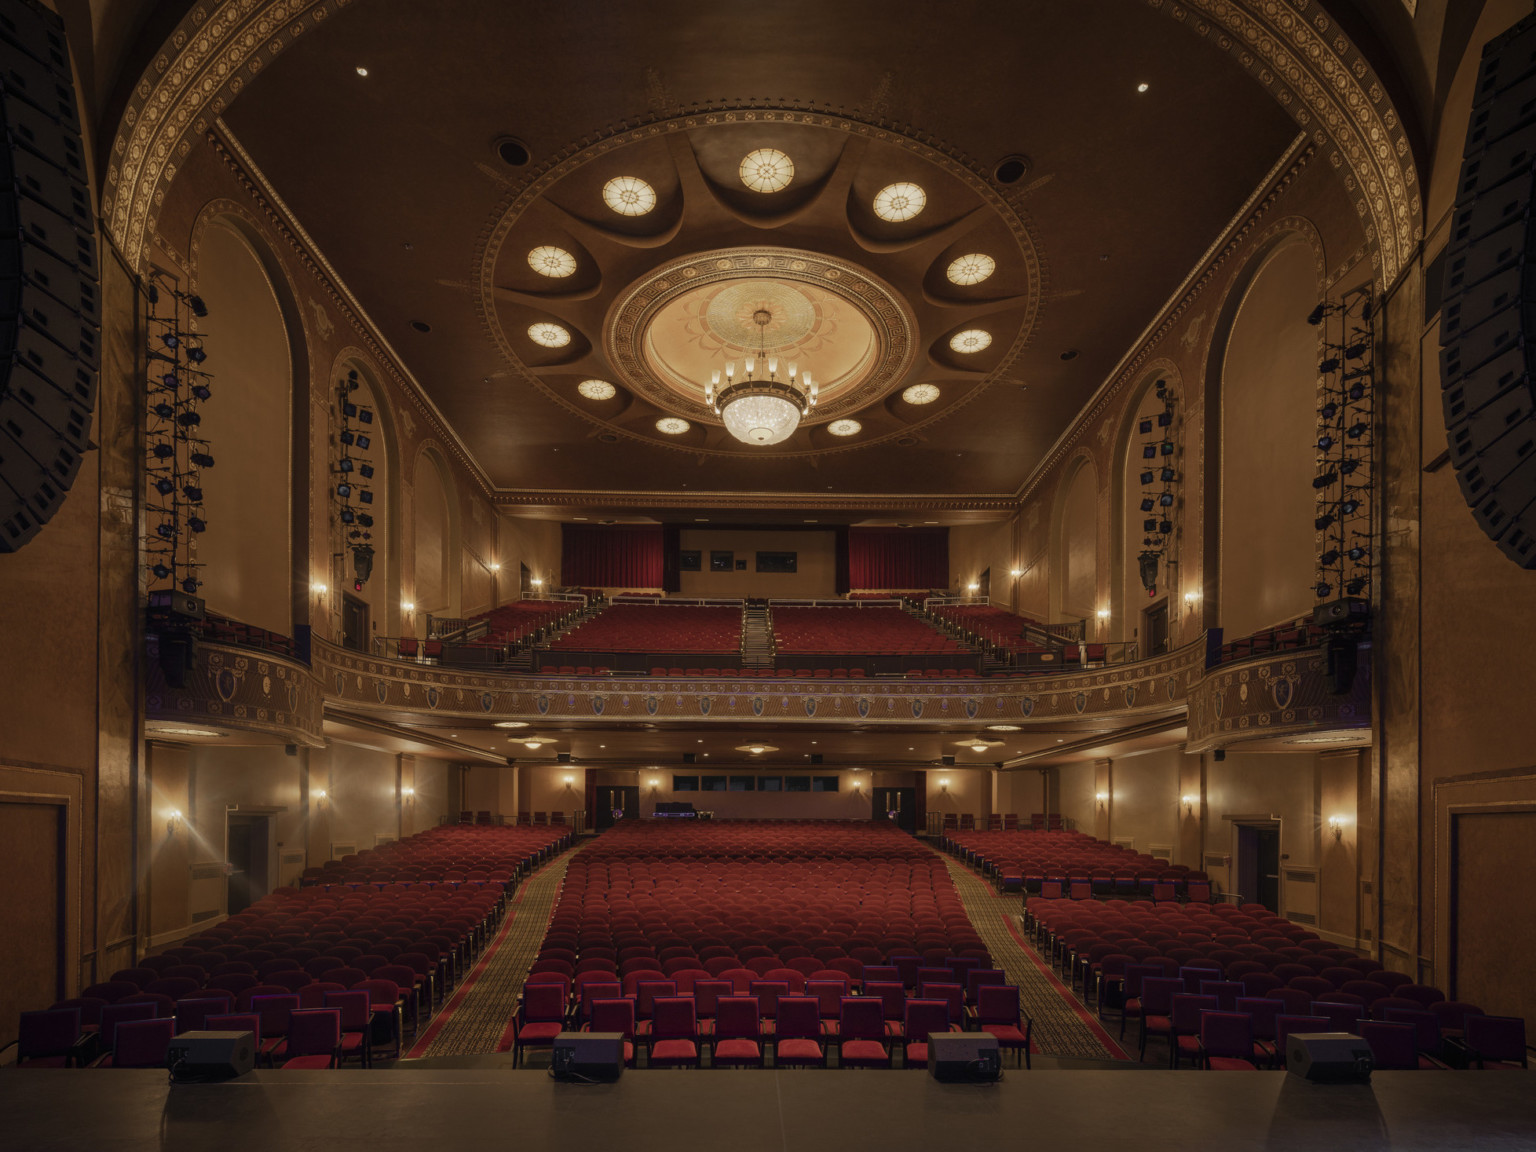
(50, 305)
(1487, 333)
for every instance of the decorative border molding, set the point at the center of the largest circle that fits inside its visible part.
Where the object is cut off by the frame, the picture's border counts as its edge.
(781, 501)
(1273, 697)
(242, 689)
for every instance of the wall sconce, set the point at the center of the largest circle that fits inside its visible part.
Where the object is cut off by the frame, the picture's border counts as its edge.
(407, 795)
(318, 795)
(1189, 803)
(1015, 572)
(1336, 826)
(943, 783)
(319, 589)
(1103, 613)
(407, 606)
(655, 784)
(858, 785)
(174, 821)
(1102, 798)
(537, 582)
(493, 566)
(1191, 598)
(569, 780)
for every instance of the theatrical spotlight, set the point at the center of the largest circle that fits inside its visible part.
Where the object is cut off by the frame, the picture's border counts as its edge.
(1356, 430)
(1167, 476)
(197, 524)
(1324, 443)
(196, 355)
(189, 419)
(163, 410)
(160, 571)
(193, 493)
(171, 340)
(1350, 506)
(201, 391)
(190, 585)
(1355, 351)
(1327, 478)
(199, 309)
(1357, 585)
(1323, 522)
(1348, 466)
(1356, 391)
(1357, 553)
(1315, 317)
(1147, 477)
(1329, 558)
(1330, 410)
(202, 459)
(164, 451)
(166, 530)
(164, 486)
(1148, 504)
(1322, 588)
(1329, 365)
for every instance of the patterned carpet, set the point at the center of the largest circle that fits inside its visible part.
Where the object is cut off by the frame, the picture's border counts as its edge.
(1062, 1026)
(475, 1017)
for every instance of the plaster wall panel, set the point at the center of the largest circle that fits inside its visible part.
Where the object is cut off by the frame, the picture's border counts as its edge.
(1146, 798)
(1080, 548)
(169, 849)
(815, 564)
(851, 801)
(1072, 795)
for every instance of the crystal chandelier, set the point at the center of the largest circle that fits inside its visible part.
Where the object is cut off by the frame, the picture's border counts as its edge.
(760, 408)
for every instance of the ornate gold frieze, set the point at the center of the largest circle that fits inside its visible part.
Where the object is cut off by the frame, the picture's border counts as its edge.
(1280, 695)
(239, 688)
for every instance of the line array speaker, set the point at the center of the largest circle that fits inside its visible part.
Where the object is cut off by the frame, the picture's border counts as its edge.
(1488, 315)
(50, 310)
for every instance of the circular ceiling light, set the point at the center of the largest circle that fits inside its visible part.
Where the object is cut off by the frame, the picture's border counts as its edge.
(547, 260)
(548, 335)
(761, 419)
(672, 425)
(597, 390)
(756, 749)
(898, 202)
(510, 724)
(1002, 727)
(629, 196)
(921, 394)
(767, 170)
(971, 340)
(972, 268)
(845, 427)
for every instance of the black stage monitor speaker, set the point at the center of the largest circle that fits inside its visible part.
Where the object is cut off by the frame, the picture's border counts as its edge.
(964, 1057)
(587, 1056)
(1328, 1057)
(198, 1057)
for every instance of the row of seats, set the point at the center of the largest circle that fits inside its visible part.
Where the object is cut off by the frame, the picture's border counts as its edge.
(861, 631)
(656, 628)
(1073, 864)
(989, 625)
(465, 853)
(521, 620)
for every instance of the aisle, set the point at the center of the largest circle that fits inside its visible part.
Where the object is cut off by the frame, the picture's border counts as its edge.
(1063, 1026)
(477, 1014)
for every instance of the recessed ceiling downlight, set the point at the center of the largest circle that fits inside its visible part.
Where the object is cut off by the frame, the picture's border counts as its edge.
(1002, 727)
(629, 196)
(547, 335)
(972, 268)
(845, 427)
(756, 749)
(672, 425)
(547, 260)
(767, 170)
(510, 724)
(921, 394)
(898, 202)
(597, 390)
(971, 340)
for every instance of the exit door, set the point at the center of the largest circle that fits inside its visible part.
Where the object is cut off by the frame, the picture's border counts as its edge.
(249, 860)
(901, 801)
(1157, 628)
(1258, 864)
(617, 802)
(354, 623)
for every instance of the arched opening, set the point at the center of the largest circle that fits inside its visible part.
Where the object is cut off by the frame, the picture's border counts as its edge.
(379, 596)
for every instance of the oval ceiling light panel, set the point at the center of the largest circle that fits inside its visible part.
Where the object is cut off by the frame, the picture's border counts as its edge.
(629, 196)
(898, 202)
(597, 390)
(547, 260)
(921, 394)
(767, 170)
(547, 335)
(672, 425)
(971, 269)
(971, 340)
(845, 427)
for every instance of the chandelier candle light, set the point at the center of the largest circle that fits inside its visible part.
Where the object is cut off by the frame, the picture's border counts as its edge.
(760, 408)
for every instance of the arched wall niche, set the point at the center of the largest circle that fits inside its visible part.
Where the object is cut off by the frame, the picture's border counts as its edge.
(1261, 423)
(434, 585)
(1128, 598)
(1075, 540)
(381, 593)
(254, 551)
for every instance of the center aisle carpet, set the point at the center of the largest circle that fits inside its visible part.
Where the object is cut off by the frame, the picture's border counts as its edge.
(1062, 1026)
(477, 1014)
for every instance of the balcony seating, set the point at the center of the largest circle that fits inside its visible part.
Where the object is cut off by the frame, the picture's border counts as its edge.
(657, 628)
(857, 631)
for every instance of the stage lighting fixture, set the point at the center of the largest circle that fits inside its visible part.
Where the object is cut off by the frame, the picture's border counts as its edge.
(1167, 476)
(1167, 447)
(363, 441)
(1350, 506)
(365, 416)
(160, 571)
(1357, 585)
(189, 585)
(1149, 525)
(153, 293)
(199, 309)
(1165, 526)
(193, 493)
(1144, 427)
(164, 451)
(169, 379)
(1329, 365)
(1315, 317)
(166, 529)
(1356, 391)
(201, 391)
(1330, 410)
(346, 464)
(1325, 479)
(348, 516)
(1348, 466)
(202, 459)
(1324, 443)
(1356, 553)
(1323, 522)
(1322, 589)
(1147, 504)
(365, 520)
(346, 438)
(1355, 351)
(1146, 477)
(1164, 419)
(349, 409)
(1356, 430)
(164, 410)
(164, 486)
(196, 355)
(171, 340)
(197, 524)
(367, 471)
(1149, 452)
(1329, 558)
(344, 490)
(189, 419)
(1166, 500)
(365, 495)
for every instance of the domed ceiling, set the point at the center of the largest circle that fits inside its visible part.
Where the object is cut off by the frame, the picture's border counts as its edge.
(566, 219)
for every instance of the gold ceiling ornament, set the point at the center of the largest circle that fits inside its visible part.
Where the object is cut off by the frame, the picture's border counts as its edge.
(629, 196)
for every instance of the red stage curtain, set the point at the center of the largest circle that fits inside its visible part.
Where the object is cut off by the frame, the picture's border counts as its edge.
(898, 558)
(611, 556)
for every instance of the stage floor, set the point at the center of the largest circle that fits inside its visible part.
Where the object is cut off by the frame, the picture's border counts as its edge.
(764, 1111)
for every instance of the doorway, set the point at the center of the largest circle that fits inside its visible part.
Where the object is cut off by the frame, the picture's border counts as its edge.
(250, 858)
(1157, 628)
(984, 586)
(354, 623)
(1258, 864)
(621, 798)
(902, 801)
(524, 581)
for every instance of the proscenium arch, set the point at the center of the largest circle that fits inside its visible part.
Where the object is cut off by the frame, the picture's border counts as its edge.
(386, 566)
(1120, 496)
(1292, 47)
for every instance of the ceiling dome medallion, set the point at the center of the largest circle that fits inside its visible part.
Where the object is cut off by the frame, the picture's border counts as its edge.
(547, 260)
(845, 427)
(767, 170)
(898, 202)
(629, 196)
(971, 269)
(971, 340)
(672, 425)
(597, 390)
(921, 394)
(547, 335)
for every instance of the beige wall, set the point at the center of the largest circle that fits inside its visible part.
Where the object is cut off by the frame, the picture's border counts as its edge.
(431, 587)
(975, 548)
(535, 543)
(1268, 446)
(816, 562)
(246, 550)
(847, 803)
(1079, 553)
